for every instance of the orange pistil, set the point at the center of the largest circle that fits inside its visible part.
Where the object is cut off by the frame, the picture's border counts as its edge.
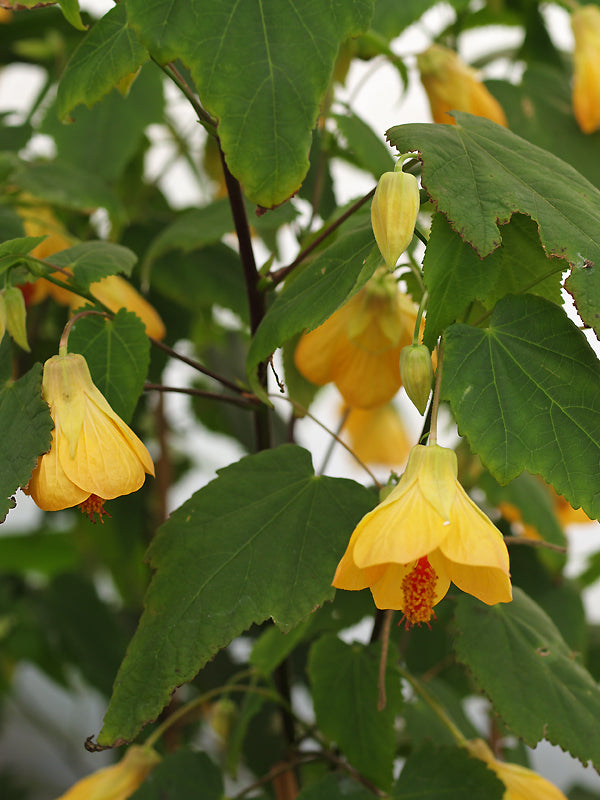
(419, 593)
(92, 506)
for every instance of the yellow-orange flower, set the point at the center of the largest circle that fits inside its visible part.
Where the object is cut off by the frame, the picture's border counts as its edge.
(113, 290)
(453, 85)
(118, 781)
(358, 347)
(377, 435)
(425, 534)
(115, 293)
(585, 22)
(521, 783)
(94, 455)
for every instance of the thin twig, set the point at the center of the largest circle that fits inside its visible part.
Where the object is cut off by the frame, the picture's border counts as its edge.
(385, 643)
(279, 275)
(249, 402)
(510, 540)
(198, 366)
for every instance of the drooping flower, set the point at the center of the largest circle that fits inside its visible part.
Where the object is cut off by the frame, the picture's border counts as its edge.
(377, 435)
(521, 783)
(94, 455)
(358, 347)
(424, 535)
(119, 781)
(585, 21)
(115, 293)
(453, 85)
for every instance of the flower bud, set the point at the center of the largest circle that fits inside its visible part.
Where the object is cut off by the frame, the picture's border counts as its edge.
(394, 213)
(16, 316)
(416, 371)
(585, 21)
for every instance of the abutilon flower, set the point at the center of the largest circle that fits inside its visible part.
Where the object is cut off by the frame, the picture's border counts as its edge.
(585, 22)
(394, 210)
(521, 783)
(119, 781)
(425, 534)
(358, 347)
(94, 455)
(113, 291)
(453, 85)
(377, 435)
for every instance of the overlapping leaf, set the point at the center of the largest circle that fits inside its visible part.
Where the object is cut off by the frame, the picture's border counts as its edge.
(536, 684)
(109, 53)
(25, 433)
(182, 774)
(344, 680)
(117, 352)
(260, 70)
(91, 261)
(262, 540)
(478, 174)
(455, 275)
(524, 391)
(314, 295)
(446, 773)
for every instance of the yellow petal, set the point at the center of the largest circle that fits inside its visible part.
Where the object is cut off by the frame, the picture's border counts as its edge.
(117, 782)
(316, 349)
(377, 435)
(488, 584)
(49, 486)
(350, 577)
(115, 293)
(388, 590)
(437, 477)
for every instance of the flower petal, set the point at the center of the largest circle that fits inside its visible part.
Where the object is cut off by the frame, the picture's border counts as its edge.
(316, 349)
(488, 584)
(349, 576)
(388, 592)
(49, 486)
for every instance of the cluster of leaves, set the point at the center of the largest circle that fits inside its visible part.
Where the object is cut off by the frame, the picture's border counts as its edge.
(253, 552)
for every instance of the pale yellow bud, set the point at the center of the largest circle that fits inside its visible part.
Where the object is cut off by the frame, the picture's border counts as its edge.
(394, 211)
(16, 316)
(416, 371)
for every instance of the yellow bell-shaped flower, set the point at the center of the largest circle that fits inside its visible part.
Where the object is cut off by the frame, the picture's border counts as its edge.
(521, 783)
(358, 347)
(94, 455)
(117, 782)
(453, 85)
(425, 534)
(377, 435)
(585, 22)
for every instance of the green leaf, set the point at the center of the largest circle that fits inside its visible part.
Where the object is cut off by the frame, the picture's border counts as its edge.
(445, 773)
(583, 285)
(182, 775)
(260, 69)
(25, 433)
(540, 110)
(535, 683)
(344, 679)
(261, 540)
(333, 787)
(70, 9)
(103, 139)
(108, 53)
(524, 391)
(455, 275)
(369, 149)
(478, 174)
(86, 631)
(325, 285)
(46, 553)
(273, 646)
(193, 229)
(118, 353)
(91, 261)
(67, 186)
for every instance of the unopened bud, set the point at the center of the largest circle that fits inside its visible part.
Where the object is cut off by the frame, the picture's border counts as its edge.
(223, 714)
(16, 316)
(394, 213)
(416, 371)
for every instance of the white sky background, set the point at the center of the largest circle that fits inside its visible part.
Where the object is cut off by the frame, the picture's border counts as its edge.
(375, 92)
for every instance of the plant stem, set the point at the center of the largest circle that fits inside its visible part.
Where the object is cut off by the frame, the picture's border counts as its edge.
(205, 119)
(385, 643)
(435, 403)
(62, 345)
(250, 402)
(279, 275)
(434, 705)
(198, 366)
